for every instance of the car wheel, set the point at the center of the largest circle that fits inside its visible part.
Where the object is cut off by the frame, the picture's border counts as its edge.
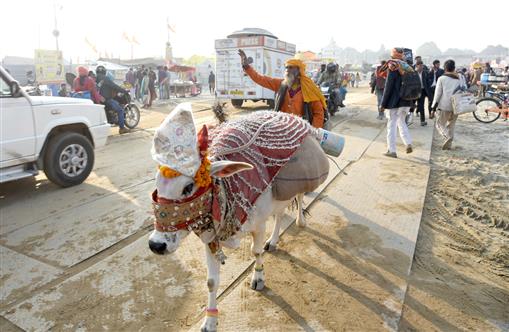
(69, 159)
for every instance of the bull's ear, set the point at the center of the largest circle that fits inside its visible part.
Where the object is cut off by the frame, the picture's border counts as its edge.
(226, 168)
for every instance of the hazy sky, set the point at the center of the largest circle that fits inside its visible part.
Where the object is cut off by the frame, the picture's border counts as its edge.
(26, 25)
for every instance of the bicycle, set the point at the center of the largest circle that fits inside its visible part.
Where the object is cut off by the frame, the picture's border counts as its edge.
(490, 108)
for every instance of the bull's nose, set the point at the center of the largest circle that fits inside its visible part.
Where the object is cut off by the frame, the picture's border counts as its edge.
(157, 247)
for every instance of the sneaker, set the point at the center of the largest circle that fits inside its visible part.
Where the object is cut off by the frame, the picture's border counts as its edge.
(391, 154)
(342, 105)
(424, 123)
(123, 131)
(447, 145)
(409, 148)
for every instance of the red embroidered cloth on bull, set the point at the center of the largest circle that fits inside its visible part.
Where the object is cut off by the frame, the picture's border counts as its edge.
(264, 139)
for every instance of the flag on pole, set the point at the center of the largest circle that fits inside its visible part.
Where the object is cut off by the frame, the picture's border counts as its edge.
(126, 37)
(92, 46)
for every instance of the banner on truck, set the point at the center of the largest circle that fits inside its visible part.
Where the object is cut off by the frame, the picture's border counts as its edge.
(49, 66)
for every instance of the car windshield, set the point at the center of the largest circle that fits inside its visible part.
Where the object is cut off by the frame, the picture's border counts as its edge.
(4, 88)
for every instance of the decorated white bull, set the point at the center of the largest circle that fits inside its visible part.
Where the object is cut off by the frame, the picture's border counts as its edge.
(227, 183)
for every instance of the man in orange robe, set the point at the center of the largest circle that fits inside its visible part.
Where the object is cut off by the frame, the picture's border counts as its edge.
(300, 89)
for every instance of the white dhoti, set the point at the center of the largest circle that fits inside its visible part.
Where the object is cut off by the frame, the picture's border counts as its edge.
(396, 118)
(445, 124)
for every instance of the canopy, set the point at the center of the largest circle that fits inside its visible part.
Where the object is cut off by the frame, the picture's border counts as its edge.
(181, 69)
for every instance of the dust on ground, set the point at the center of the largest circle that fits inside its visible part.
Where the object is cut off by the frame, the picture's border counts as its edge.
(460, 273)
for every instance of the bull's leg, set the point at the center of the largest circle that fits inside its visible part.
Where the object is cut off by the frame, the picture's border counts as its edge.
(258, 279)
(301, 221)
(271, 243)
(210, 323)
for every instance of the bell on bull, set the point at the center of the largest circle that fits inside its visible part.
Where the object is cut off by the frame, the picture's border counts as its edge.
(226, 183)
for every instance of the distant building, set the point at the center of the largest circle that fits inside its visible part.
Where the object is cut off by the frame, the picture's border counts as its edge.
(18, 67)
(311, 60)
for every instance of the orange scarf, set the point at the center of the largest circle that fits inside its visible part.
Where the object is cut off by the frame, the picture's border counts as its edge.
(310, 91)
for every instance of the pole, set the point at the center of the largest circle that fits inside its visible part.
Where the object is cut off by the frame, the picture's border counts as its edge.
(168, 27)
(56, 33)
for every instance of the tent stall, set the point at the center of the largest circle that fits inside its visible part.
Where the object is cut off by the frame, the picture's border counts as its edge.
(184, 82)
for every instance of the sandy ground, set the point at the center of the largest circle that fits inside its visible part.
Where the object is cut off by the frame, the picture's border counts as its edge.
(460, 274)
(459, 278)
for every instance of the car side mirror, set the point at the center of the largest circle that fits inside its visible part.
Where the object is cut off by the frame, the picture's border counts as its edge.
(15, 89)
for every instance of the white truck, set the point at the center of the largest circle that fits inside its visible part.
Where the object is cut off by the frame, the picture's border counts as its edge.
(266, 53)
(55, 134)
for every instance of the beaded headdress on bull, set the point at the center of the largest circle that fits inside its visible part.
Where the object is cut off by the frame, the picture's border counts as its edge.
(179, 151)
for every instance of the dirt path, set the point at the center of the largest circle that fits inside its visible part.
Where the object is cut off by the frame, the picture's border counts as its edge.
(460, 273)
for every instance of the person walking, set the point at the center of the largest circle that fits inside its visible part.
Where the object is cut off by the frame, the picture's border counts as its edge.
(435, 74)
(446, 87)
(397, 108)
(212, 83)
(131, 79)
(378, 86)
(161, 77)
(425, 90)
(357, 79)
(152, 86)
(144, 90)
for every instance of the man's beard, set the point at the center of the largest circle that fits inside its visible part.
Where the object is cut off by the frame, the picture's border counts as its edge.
(291, 79)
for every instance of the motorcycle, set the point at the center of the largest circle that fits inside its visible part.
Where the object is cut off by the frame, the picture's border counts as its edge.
(131, 111)
(328, 92)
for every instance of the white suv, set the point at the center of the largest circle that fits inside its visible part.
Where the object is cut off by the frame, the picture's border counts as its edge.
(55, 134)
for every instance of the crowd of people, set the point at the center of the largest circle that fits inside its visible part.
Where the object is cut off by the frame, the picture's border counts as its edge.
(437, 86)
(346, 78)
(142, 83)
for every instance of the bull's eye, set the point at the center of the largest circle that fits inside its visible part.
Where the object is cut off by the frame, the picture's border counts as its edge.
(187, 189)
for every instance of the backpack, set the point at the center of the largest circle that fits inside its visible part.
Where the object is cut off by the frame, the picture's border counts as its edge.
(380, 82)
(410, 85)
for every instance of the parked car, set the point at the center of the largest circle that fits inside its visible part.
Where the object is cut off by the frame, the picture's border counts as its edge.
(54, 134)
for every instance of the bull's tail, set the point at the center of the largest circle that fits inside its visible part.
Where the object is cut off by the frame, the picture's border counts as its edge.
(219, 111)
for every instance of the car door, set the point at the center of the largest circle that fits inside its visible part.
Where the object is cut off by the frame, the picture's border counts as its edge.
(17, 129)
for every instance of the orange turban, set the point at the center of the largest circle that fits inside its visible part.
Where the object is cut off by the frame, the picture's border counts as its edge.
(309, 90)
(82, 71)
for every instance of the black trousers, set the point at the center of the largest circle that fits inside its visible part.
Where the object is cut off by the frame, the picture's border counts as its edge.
(420, 105)
(430, 98)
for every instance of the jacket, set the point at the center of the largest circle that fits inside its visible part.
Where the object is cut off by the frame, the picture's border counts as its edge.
(390, 98)
(292, 105)
(108, 88)
(446, 85)
(431, 74)
(328, 77)
(88, 85)
(425, 82)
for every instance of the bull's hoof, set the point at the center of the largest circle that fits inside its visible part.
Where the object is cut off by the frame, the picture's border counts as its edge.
(208, 329)
(257, 284)
(269, 247)
(301, 222)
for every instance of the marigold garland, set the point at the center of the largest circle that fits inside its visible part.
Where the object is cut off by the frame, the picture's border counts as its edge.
(202, 177)
(168, 172)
